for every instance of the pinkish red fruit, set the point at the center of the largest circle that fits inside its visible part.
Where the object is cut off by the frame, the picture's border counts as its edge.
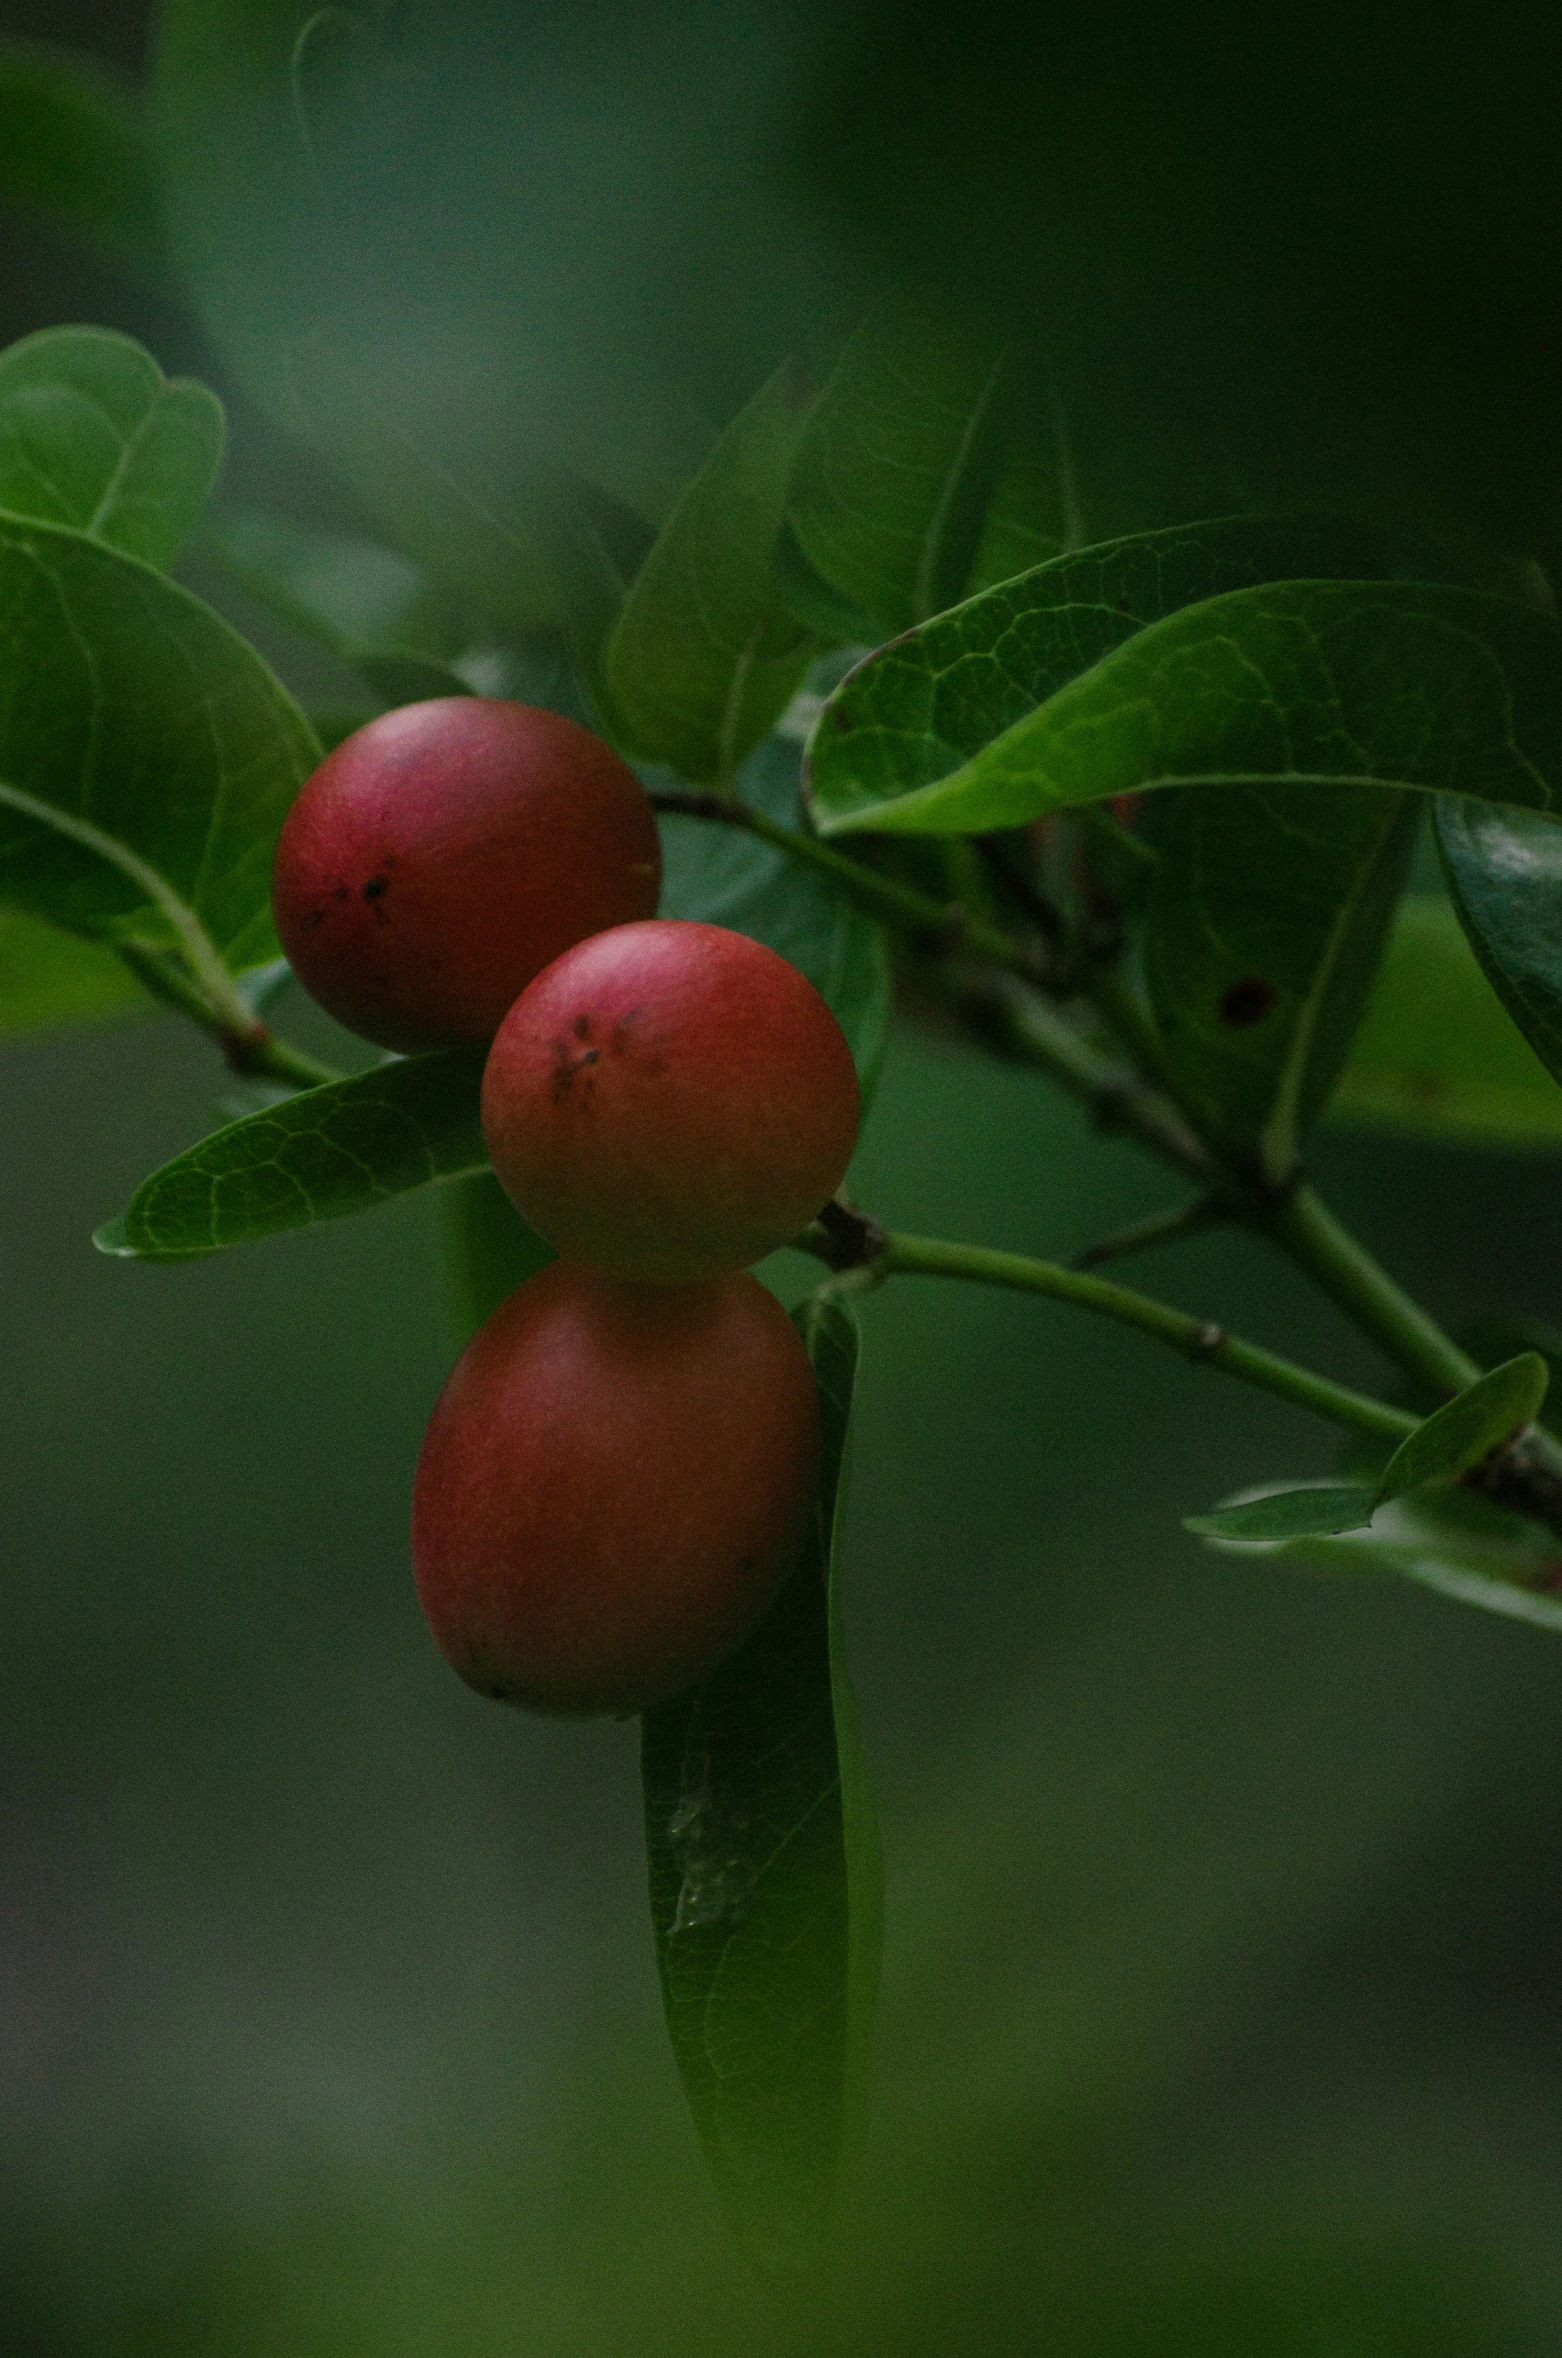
(444, 854)
(609, 1488)
(670, 1101)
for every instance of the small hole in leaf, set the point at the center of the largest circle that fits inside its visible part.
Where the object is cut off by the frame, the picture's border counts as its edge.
(1247, 1002)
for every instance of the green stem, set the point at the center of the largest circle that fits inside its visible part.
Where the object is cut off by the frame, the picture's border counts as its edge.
(250, 1048)
(1196, 1339)
(885, 896)
(1308, 1233)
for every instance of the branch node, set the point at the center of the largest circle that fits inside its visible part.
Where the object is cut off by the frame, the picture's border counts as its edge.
(850, 1239)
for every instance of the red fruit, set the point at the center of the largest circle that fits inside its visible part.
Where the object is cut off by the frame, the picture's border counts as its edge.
(441, 856)
(670, 1101)
(609, 1486)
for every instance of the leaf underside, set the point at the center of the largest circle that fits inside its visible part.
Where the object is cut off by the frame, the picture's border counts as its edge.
(763, 1888)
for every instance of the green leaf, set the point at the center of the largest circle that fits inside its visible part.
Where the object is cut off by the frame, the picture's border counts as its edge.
(342, 1148)
(897, 468)
(1504, 870)
(1265, 918)
(702, 657)
(765, 1884)
(730, 878)
(1461, 1546)
(1323, 682)
(1468, 1428)
(74, 144)
(48, 977)
(354, 596)
(914, 713)
(93, 435)
(147, 755)
(1314, 1510)
(1436, 1055)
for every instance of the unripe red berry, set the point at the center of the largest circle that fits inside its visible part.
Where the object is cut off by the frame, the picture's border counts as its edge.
(609, 1487)
(670, 1101)
(442, 855)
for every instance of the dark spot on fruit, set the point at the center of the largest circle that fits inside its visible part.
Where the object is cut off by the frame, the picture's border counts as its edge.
(374, 888)
(591, 1056)
(1247, 1002)
(314, 918)
(340, 894)
(582, 1027)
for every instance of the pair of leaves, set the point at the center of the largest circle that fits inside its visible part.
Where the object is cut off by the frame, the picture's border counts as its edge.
(765, 1883)
(1450, 1443)
(1459, 1546)
(350, 1145)
(1144, 663)
(146, 753)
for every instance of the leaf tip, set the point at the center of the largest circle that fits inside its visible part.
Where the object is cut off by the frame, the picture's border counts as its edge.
(112, 1240)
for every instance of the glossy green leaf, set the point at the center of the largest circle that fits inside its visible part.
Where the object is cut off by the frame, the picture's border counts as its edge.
(897, 469)
(1314, 1510)
(353, 596)
(1264, 920)
(765, 1886)
(730, 878)
(1504, 870)
(48, 978)
(92, 434)
(147, 755)
(1333, 683)
(74, 145)
(703, 655)
(1465, 1430)
(1436, 1055)
(326, 1152)
(915, 712)
(1459, 1545)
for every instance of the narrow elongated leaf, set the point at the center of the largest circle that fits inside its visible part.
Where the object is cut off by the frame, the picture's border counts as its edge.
(1265, 917)
(897, 469)
(1314, 1510)
(703, 655)
(729, 878)
(764, 1883)
(1334, 683)
(48, 978)
(1436, 1054)
(1463, 1547)
(353, 596)
(1504, 870)
(92, 434)
(345, 1147)
(74, 144)
(1467, 1429)
(147, 755)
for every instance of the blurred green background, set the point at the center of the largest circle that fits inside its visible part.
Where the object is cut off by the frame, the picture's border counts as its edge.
(1221, 2006)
